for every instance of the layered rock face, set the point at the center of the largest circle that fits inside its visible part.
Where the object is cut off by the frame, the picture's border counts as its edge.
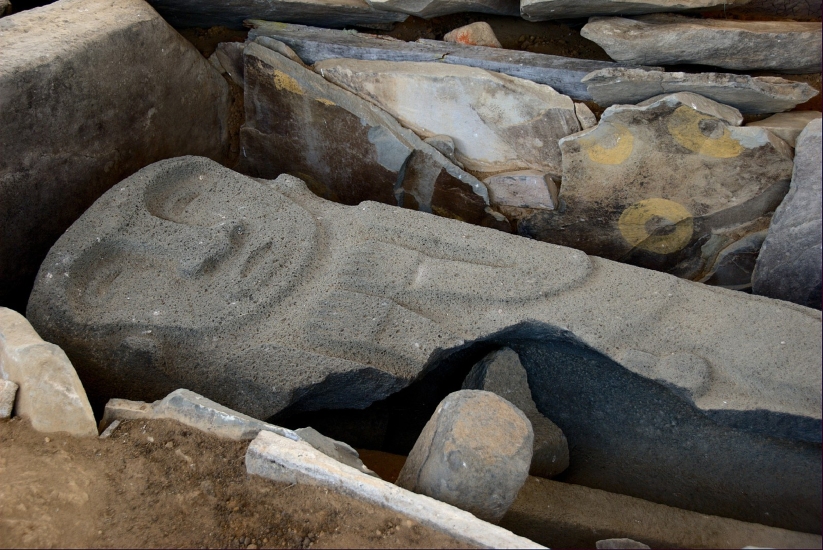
(262, 296)
(90, 92)
(542, 10)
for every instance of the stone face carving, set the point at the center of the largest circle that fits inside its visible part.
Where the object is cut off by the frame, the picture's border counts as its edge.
(677, 168)
(263, 296)
(783, 46)
(542, 10)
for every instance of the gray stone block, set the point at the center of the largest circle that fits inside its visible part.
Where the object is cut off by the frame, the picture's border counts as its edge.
(542, 10)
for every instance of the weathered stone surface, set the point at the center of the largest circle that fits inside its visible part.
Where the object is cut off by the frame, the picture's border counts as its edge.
(435, 8)
(542, 10)
(479, 33)
(677, 168)
(8, 391)
(762, 94)
(284, 460)
(232, 13)
(782, 46)
(498, 122)
(230, 56)
(444, 144)
(523, 189)
(90, 92)
(50, 394)
(789, 265)
(5, 7)
(474, 453)
(786, 8)
(733, 266)
(295, 302)
(501, 373)
(787, 126)
(608, 544)
(312, 45)
(585, 116)
(347, 149)
(338, 450)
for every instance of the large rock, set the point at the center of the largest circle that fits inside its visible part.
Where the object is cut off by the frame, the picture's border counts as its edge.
(232, 13)
(90, 92)
(787, 126)
(435, 8)
(498, 123)
(501, 373)
(789, 265)
(542, 10)
(50, 395)
(474, 453)
(293, 302)
(678, 168)
(782, 46)
(312, 45)
(347, 149)
(762, 94)
(478, 33)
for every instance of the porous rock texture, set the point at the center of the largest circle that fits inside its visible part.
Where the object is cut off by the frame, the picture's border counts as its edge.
(474, 453)
(781, 46)
(542, 10)
(678, 168)
(501, 373)
(90, 92)
(435, 8)
(789, 264)
(345, 148)
(749, 95)
(498, 122)
(262, 296)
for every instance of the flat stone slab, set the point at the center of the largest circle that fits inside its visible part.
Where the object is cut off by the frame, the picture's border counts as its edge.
(543, 10)
(293, 302)
(281, 459)
(750, 95)
(498, 123)
(92, 91)
(787, 126)
(678, 168)
(789, 264)
(345, 147)
(232, 13)
(564, 74)
(436, 8)
(49, 393)
(781, 46)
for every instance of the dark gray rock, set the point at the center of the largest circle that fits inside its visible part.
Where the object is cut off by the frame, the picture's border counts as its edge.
(542, 10)
(789, 265)
(764, 94)
(90, 92)
(230, 56)
(345, 148)
(312, 45)
(501, 373)
(436, 8)
(231, 13)
(474, 453)
(5, 8)
(266, 298)
(608, 544)
(733, 266)
(807, 9)
(782, 46)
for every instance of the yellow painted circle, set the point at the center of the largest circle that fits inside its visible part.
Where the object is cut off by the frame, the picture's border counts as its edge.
(618, 134)
(656, 225)
(685, 127)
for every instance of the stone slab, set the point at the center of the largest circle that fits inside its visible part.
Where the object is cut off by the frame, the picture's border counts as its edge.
(781, 46)
(280, 459)
(90, 92)
(805, 9)
(49, 393)
(232, 13)
(750, 95)
(787, 126)
(8, 392)
(789, 264)
(342, 306)
(523, 189)
(498, 123)
(312, 45)
(437, 8)
(543, 10)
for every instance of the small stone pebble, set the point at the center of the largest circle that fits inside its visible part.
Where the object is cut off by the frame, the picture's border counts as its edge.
(47, 440)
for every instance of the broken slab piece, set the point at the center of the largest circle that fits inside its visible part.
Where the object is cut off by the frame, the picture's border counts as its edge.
(585, 116)
(50, 394)
(8, 392)
(781, 46)
(750, 95)
(436, 8)
(479, 33)
(284, 460)
(543, 10)
(498, 123)
(787, 126)
(312, 45)
(347, 149)
(232, 13)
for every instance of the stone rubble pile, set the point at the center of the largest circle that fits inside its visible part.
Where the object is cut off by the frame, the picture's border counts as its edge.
(299, 278)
